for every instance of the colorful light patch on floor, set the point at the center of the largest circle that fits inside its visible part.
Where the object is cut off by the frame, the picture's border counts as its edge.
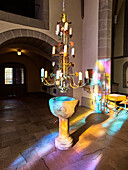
(114, 124)
(33, 154)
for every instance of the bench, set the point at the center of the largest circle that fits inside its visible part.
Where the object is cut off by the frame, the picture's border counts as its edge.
(118, 101)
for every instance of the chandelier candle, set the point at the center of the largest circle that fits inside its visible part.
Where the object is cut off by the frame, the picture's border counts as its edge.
(58, 74)
(86, 75)
(80, 76)
(42, 72)
(46, 74)
(53, 49)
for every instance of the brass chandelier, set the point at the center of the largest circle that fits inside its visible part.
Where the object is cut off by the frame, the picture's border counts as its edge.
(63, 78)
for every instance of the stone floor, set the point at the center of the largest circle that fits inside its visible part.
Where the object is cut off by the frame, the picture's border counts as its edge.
(28, 130)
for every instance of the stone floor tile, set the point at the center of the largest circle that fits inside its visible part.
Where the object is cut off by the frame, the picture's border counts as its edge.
(35, 165)
(9, 136)
(7, 129)
(1, 164)
(10, 142)
(28, 138)
(30, 154)
(19, 148)
(15, 162)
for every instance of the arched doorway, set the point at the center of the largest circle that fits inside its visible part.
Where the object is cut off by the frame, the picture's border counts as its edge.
(36, 50)
(12, 79)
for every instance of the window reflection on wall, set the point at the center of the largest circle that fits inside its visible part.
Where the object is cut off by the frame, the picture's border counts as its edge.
(8, 75)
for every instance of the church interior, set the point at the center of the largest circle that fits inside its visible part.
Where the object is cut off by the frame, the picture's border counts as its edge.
(63, 84)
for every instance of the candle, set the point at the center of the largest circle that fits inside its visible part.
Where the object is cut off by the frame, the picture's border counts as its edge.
(86, 74)
(57, 74)
(57, 29)
(66, 26)
(46, 74)
(80, 76)
(65, 49)
(53, 50)
(73, 51)
(42, 72)
(70, 31)
(53, 63)
(61, 74)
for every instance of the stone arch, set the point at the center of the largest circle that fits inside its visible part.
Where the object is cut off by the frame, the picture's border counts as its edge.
(31, 40)
(125, 66)
(17, 33)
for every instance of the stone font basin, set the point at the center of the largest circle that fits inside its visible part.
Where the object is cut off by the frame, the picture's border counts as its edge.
(63, 107)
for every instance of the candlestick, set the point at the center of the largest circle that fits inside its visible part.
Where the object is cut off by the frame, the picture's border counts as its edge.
(73, 51)
(46, 74)
(53, 63)
(57, 29)
(70, 31)
(53, 50)
(86, 74)
(80, 76)
(42, 72)
(65, 49)
(57, 74)
(66, 26)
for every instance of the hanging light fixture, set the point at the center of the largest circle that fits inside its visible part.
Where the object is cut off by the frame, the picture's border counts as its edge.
(64, 79)
(18, 52)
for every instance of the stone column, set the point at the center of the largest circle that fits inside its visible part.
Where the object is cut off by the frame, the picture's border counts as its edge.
(63, 141)
(104, 49)
(126, 29)
(105, 29)
(63, 128)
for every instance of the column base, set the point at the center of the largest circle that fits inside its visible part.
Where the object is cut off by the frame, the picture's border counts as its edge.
(63, 143)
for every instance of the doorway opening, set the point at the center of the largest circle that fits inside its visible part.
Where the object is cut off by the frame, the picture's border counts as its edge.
(13, 79)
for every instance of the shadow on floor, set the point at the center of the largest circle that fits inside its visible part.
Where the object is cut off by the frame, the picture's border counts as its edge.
(92, 119)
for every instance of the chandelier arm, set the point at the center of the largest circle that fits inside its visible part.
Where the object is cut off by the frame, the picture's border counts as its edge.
(83, 85)
(74, 82)
(77, 85)
(48, 84)
(74, 87)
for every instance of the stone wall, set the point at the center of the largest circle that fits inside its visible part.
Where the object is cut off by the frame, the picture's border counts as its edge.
(105, 29)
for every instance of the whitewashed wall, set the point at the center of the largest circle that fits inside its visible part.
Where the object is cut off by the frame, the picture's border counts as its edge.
(89, 41)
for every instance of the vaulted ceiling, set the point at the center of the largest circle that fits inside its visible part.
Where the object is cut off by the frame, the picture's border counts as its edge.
(28, 46)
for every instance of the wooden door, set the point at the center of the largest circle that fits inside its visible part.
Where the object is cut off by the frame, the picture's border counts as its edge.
(12, 79)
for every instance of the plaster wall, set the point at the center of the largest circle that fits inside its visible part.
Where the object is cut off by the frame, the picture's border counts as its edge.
(89, 40)
(73, 9)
